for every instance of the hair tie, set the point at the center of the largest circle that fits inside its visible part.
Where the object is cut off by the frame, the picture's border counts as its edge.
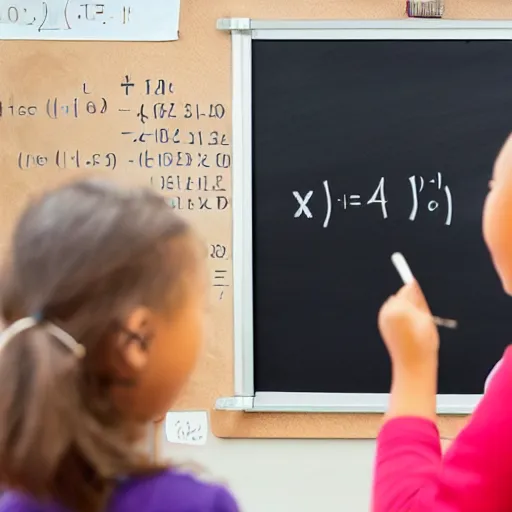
(31, 321)
(38, 316)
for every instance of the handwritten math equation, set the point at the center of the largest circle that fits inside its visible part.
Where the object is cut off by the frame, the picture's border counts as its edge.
(75, 159)
(140, 132)
(186, 431)
(60, 14)
(419, 187)
(177, 145)
(218, 253)
(187, 427)
(78, 19)
(212, 145)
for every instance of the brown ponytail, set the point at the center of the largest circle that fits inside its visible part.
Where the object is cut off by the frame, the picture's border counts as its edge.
(82, 255)
(39, 378)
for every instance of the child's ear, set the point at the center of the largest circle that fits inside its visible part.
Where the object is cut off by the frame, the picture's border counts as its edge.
(131, 345)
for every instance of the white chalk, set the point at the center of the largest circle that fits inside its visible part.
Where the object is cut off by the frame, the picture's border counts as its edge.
(402, 267)
(405, 273)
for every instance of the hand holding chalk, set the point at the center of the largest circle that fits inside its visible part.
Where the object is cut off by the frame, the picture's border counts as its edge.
(406, 326)
(405, 273)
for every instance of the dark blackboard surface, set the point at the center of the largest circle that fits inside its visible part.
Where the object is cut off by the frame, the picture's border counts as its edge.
(351, 113)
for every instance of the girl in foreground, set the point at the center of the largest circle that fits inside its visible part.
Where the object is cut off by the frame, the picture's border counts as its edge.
(103, 304)
(475, 475)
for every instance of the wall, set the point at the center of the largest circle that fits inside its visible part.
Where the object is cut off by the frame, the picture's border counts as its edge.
(288, 475)
(267, 475)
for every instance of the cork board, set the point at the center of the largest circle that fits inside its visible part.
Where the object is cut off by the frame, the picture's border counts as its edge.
(65, 111)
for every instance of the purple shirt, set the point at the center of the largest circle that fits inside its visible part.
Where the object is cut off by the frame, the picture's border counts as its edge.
(170, 491)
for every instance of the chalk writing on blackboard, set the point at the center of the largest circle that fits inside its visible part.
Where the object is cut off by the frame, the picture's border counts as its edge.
(417, 185)
(346, 200)
(76, 19)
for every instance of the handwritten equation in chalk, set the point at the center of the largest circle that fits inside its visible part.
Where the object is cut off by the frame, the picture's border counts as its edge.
(427, 194)
(76, 19)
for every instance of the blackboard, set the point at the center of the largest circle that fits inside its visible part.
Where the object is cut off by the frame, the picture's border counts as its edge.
(337, 118)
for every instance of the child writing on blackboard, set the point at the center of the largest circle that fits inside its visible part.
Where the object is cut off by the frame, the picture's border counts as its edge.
(475, 474)
(103, 303)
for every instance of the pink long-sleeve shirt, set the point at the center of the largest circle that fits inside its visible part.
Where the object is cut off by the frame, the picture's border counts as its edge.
(475, 474)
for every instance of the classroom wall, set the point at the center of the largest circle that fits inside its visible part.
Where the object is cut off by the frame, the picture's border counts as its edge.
(288, 475)
(284, 475)
(267, 475)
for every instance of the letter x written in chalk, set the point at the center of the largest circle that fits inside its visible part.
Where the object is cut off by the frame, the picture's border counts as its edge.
(303, 209)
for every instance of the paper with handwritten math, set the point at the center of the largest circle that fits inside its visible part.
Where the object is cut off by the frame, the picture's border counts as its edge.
(109, 20)
(188, 427)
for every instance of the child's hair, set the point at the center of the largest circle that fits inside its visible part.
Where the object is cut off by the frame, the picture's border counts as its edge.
(82, 256)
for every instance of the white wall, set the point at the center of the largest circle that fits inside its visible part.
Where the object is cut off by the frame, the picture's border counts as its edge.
(288, 475)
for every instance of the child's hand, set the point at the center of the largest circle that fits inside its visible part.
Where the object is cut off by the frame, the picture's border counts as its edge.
(408, 330)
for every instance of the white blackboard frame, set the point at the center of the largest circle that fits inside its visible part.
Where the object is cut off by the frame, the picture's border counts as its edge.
(243, 31)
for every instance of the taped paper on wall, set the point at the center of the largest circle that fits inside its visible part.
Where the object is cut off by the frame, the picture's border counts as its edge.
(187, 427)
(110, 20)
